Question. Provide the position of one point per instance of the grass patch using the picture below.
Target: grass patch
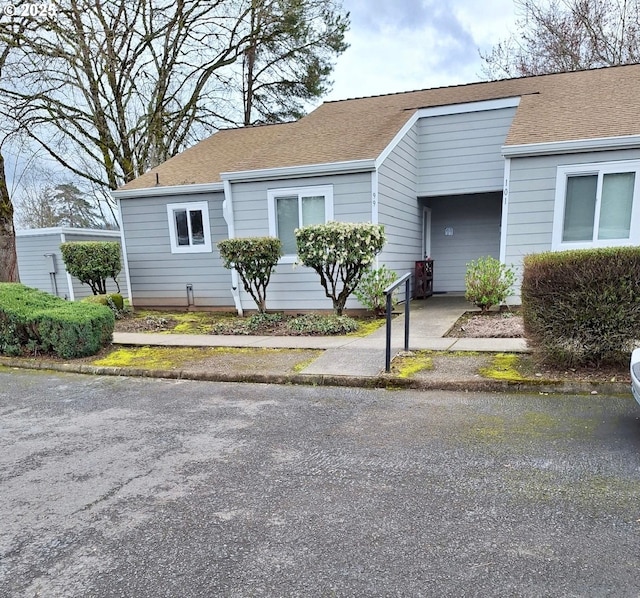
(228, 360)
(406, 366)
(159, 358)
(367, 327)
(503, 367)
(301, 365)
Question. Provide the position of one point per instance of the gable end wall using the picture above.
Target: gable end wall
(461, 153)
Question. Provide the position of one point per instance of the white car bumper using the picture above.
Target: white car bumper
(635, 374)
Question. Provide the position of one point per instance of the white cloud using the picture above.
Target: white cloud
(416, 44)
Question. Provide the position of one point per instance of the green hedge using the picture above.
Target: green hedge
(36, 321)
(583, 306)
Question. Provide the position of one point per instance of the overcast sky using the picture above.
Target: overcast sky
(402, 45)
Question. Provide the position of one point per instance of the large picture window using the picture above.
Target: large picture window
(293, 208)
(189, 227)
(596, 205)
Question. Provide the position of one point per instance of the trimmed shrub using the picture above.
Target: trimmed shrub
(488, 282)
(254, 259)
(340, 252)
(370, 289)
(113, 301)
(92, 262)
(33, 320)
(583, 306)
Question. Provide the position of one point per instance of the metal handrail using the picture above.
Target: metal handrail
(388, 293)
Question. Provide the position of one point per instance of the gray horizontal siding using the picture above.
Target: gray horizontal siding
(532, 190)
(398, 208)
(461, 153)
(298, 288)
(34, 267)
(475, 220)
(159, 277)
(83, 290)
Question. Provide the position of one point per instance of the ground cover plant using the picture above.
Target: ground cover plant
(261, 324)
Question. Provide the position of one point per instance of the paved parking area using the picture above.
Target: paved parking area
(131, 487)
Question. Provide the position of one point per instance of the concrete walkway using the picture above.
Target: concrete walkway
(430, 320)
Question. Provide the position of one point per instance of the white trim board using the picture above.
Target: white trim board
(40, 232)
(572, 146)
(170, 190)
(305, 170)
(505, 211)
(125, 257)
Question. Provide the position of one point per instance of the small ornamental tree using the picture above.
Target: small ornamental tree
(92, 262)
(340, 252)
(254, 259)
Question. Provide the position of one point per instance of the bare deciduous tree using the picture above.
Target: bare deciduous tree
(567, 35)
(111, 88)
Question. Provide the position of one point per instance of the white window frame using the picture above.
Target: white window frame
(189, 206)
(320, 190)
(599, 169)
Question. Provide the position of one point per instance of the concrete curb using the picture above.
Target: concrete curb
(383, 381)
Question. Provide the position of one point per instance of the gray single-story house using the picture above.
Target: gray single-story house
(40, 263)
(502, 168)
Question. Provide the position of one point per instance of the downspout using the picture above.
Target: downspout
(72, 296)
(227, 212)
(123, 245)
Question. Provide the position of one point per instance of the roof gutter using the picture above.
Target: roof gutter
(306, 170)
(57, 230)
(598, 144)
(169, 190)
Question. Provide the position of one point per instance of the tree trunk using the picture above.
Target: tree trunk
(8, 258)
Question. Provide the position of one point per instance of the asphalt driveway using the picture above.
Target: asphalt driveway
(152, 488)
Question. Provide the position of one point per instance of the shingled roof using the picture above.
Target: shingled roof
(561, 107)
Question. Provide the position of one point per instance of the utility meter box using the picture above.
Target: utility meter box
(50, 261)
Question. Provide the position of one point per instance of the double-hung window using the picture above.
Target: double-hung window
(189, 227)
(296, 207)
(597, 205)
